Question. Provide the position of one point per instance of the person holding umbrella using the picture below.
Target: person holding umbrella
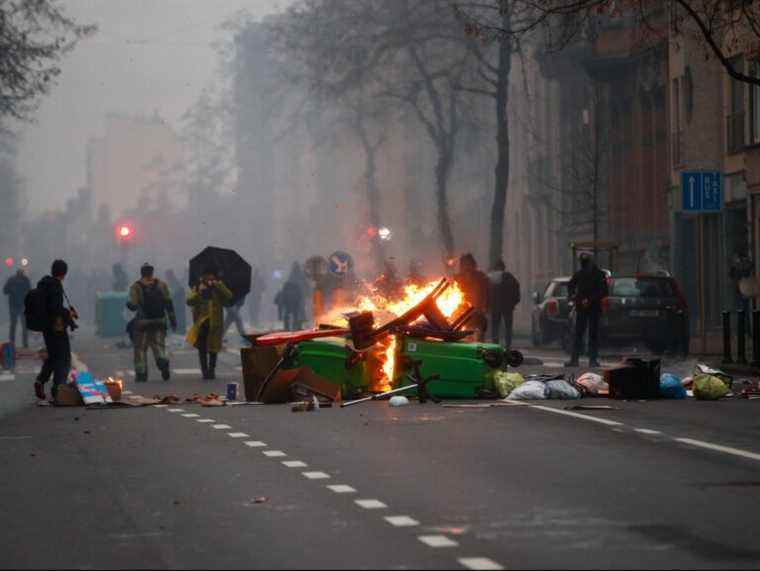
(207, 299)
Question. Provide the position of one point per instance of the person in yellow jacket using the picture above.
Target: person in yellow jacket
(207, 300)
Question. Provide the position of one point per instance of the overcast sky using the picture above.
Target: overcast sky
(149, 55)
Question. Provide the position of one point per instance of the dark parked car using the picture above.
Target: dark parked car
(644, 308)
(550, 313)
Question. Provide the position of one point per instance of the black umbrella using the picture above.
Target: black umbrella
(233, 270)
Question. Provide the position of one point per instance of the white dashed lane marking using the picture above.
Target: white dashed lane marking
(255, 444)
(648, 431)
(176, 410)
(718, 448)
(160, 405)
(221, 426)
(342, 489)
(238, 435)
(205, 420)
(371, 504)
(274, 454)
(479, 564)
(580, 416)
(316, 475)
(437, 541)
(401, 521)
(191, 415)
(294, 464)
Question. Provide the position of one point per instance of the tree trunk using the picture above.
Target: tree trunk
(373, 195)
(443, 167)
(501, 178)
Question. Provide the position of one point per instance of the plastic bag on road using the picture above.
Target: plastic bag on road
(709, 387)
(561, 390)
(592, 383)
(671, 387)
(505, 382)
(702, 369)
(529, 390)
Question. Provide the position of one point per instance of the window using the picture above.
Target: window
(754, 105)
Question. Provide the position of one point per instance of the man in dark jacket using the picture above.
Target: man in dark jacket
(59, 320)
(587, 288)
(503, 297)
(16, 289)
(474, 284)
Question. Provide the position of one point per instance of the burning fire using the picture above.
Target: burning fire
(448, 303)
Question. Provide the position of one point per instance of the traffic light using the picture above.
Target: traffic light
(9, 262)
(124, 232)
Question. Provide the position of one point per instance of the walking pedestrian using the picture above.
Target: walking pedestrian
(290, 300)
(587, 288)
(504, 295)
(151, 301)
(233, 316)
(208, 299)
(474, 285)
(416, 274)
(58, 320)
(16, 289)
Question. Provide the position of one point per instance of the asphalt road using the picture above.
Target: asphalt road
(659, 484)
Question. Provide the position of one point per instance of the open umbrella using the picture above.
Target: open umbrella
(233, 270)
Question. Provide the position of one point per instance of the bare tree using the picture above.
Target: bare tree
(722, 28)
(34, 35)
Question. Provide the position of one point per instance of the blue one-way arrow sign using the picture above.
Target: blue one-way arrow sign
(701, 191)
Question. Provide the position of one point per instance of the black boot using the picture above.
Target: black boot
(212, 366)
(163, 365)
(203, 358)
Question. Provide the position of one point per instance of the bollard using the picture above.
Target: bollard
(727, 338)
(756, 338)
(741, 337)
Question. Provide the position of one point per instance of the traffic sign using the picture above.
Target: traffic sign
(702, 191)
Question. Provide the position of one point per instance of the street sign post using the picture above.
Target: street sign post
(702, 191)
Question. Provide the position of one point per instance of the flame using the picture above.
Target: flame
(388, 309)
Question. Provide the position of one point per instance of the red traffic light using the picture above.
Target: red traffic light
(9, 262)
(124, 232)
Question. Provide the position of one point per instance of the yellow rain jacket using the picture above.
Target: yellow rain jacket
(209, 310)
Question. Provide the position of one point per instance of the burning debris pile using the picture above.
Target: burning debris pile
(379, 345)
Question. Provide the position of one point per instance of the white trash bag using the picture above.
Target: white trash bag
(529, 390)
(562, 390)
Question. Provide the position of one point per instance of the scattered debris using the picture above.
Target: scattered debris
(398, 400)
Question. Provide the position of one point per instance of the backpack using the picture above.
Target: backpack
(35, 310)
(153, 302)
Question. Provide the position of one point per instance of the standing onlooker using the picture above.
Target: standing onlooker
(58, 319)
(290, 300)
(233, 316)
(208, 299)
(587, 288)
(503, 297)
(474, 284)
(149, 297)
(16, 289)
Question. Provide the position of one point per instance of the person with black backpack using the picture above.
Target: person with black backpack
(149, 297)
(45, 311)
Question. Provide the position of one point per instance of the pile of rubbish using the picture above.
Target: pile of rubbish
(83, 389)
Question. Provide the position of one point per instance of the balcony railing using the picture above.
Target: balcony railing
(735, 138)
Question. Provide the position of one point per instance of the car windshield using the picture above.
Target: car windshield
(642, 287)
(560, 290)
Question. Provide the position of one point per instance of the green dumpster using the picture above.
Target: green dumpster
(464, 368)
(327, 358)
(110, 313)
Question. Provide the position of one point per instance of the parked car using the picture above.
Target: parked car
(644, 308)
(550, 313)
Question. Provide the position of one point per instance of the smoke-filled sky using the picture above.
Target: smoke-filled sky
(149, 55)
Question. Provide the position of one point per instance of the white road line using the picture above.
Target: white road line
(221, 426)
(238, 435)
(580, 416)
(315, 475)
(342, 489)
(401, 521)
(186, 371)
(370, 504)
(437, 541)
(294, 464)
(7, 377)
(205, 420)
(479, 564)
(160, 405)
(176, 410)
(274, 453)
(647, 431)
(190, 415)
(255, 444)
(719, 448)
